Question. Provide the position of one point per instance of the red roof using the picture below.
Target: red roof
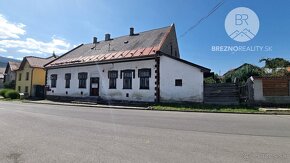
(144, 44)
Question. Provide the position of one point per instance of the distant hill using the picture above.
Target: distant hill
(4, 61)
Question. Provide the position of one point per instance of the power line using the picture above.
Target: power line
(203, 18)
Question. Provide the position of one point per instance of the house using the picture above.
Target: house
(143, 66)
(10, 72)
(30, 77)
(2, 71)
(270, 90)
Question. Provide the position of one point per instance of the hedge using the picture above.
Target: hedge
(12, 94)
(3, 92)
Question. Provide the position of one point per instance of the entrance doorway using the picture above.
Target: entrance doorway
(94, 86)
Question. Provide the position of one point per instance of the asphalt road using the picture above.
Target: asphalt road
(35, 133)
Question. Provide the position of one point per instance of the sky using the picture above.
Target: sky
(39, 28)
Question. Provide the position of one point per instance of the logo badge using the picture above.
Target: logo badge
(242, 24)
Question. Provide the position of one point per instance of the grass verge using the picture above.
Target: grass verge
(206, 108)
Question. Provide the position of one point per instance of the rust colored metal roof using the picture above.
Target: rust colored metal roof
(139, 45)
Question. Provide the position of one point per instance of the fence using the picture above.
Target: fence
(222, 93)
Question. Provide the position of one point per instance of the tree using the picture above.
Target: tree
(242, 73)
(274, 63)
(276, 66)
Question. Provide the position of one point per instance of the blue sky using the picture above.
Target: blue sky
(33, 27)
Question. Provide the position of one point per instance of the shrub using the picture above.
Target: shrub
(3, 91)
(12, 94)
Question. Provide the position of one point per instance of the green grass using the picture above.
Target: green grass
(9, 99)
(206, 108)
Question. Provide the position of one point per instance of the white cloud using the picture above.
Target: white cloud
(10, 30)
(32, 46)
(3, 50)
(10, 39)
(10, 57)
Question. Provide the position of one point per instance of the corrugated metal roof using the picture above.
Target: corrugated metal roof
(139, 45)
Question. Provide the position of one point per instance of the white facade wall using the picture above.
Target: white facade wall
(192, 81)
(258, 90)
(101, 71)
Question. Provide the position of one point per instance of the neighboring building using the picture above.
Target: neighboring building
(30, 77)
(2, 71)
(142, 66)
(10, 72)
(273, 90)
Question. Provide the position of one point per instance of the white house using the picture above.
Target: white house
(143, 67)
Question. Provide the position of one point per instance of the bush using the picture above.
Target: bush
(12, 94)
(3, 91)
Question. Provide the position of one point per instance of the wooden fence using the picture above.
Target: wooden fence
(223, 93)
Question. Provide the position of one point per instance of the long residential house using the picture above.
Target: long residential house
(143, 66)
(30, 77)
(10, 72)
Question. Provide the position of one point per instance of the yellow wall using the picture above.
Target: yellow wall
(23, 82)
(36, 77)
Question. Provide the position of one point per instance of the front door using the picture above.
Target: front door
(94, 86)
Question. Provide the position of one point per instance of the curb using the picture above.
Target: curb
(151, 109)
(93, 106)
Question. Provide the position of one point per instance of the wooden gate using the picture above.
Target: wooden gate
(222, 93)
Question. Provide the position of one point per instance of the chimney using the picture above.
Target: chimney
(107, 37)
(95, 40)
(131, 31)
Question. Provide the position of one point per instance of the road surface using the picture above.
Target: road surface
(36, 133)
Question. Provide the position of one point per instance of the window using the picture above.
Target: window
(127, 78)
(113, 75)
(144, 75)
(53, 78)
(67, 80)
(26, 89)
(178, 82)
(27, 75)
(19, 77)
(83, 79)
(19, 89)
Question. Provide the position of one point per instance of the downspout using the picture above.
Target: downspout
(157, 77)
